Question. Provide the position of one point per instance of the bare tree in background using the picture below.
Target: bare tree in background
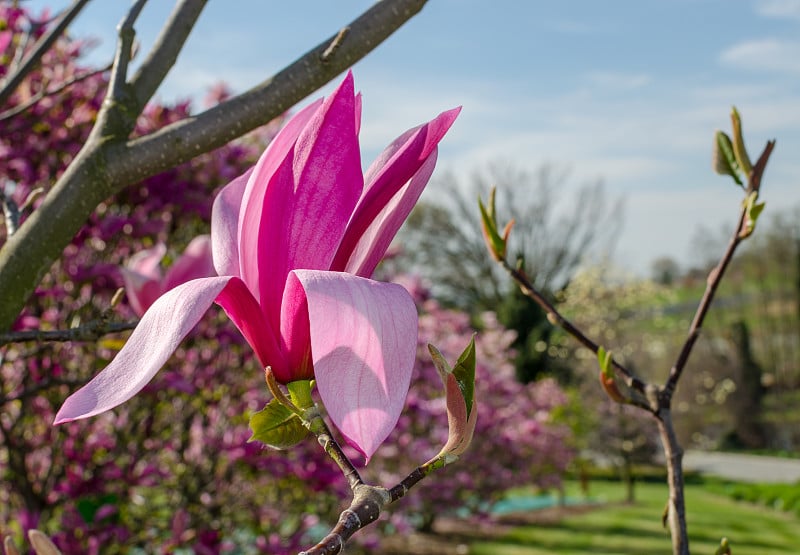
(556, 229)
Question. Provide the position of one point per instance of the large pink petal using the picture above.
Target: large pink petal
(310, 198)
(240, 305)
(225, 226)
(195, 262)
(363, 343)
(151, 344)
(407, 157)
(250, 220)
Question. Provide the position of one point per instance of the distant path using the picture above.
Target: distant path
(745, 468)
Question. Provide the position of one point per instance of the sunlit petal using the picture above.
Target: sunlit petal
(363, 344)
(150, 345)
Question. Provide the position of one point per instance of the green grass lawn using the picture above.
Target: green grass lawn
(620, 529)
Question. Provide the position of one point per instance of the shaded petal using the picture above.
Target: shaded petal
(195, 262)
(225, 226)
(374, 222)
(249, 222)
(240, 305)
(151, 344)
(363, 343)
(310, 199)
(295, 332)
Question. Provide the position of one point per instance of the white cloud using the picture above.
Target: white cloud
(764, 55)
(784, 9)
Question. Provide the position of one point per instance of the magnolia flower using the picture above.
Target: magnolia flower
(295, 240)
(144, 281)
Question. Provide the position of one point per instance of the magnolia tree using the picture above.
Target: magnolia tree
(129, 475)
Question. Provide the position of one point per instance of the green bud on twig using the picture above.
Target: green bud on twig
(723, 159)
(495, 242)
(738, 144)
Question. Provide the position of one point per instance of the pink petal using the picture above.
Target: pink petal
(142, 278)
(375, 240)
(151, 344)
(295, 332)
(363, 342)
(240, 305)
(252, 202)
(146, 262)
(225, 226)
(195, 262)
(309, 199)
(374, 222)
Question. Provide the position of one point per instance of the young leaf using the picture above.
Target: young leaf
(753, 210)
(277, 426)
(607, 379)
(724, 547)
(459, 384)
(738, 143)
(494, 241)
(723, 159)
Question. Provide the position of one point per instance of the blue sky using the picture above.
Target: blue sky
(625, 91)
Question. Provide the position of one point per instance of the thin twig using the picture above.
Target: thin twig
(715, 278)
(11, 82)
(19, 108)
(367, 504)
(126, 35)
(556, 319)
(91, 331)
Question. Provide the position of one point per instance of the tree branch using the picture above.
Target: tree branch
(11, 82)
(368, 500)
(165, 51)
(91, 331)
(107, 163)
(556, 319)
(715, 277)
(32, 101)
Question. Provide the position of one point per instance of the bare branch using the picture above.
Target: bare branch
(107, 164)
(91, 331)
(117, 116)
(165, 51)
(11, 82)
(18, 109)
(715, 277)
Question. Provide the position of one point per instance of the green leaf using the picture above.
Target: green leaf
(724, 159)
(277, 426)
(459, 385)
(738, 144)
(494, 241)
(753, 210)
(464, 372)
